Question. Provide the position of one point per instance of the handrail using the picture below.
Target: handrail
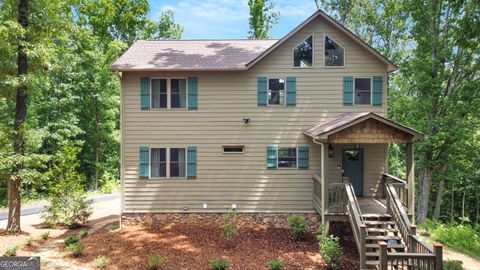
(395, 207)
(411, 260)
(400, 185)
(357, 222)
(394, 178)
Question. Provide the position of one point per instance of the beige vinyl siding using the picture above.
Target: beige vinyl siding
(224, 98)
(374, 162)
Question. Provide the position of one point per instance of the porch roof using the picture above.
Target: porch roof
(371, 128)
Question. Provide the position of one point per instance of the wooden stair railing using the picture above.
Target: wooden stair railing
(419, 255)
(357, 223)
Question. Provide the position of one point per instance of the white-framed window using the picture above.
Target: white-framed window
(276, 91)
(169, 93)
(334, 55)
(362, 91)
(303, 53)
(168, 162)
(287, 157)
(233, 149)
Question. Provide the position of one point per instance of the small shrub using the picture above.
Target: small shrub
(112, 227)
(330, 249)
(29, 241)
(83, 233)
(101, 262)
(452, 265)
(276, 264)
(71, 240)
(220, 264)
(229, 227)
(298, 226)
(11, 251)
(156, 261)
(45, 235)
(76, 249)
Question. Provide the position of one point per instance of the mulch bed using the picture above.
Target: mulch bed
(191, 246)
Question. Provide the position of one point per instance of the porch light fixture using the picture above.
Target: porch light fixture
(246, 120)
(330, 151)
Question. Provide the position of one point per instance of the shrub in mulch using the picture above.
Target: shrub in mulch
(191, 246)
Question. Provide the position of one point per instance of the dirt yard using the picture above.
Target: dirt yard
(190, 247)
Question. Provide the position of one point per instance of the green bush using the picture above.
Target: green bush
(460, 236)
(68, 204)
(330, 249)
(220, 264)
(83, 233)
(156, 261)
(45, 235)
(452, 265)
(276, 264)
(298, 226)
(101, 262)
(76, 249)
(229, 227)
(11, 251)
(29, 241)
(71, 240)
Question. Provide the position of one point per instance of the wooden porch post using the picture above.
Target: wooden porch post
(411, 180)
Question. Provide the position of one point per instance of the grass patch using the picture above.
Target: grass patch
(45, 235)
(462, 237)
(11, 251)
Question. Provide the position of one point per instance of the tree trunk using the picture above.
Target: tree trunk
(424, 186)
(476, 207)
(13, 224)
(453, 203)
(463, 203)
(438, 199)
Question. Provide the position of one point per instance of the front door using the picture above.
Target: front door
(352, 163)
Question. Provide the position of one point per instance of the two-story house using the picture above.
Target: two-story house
(269, 127)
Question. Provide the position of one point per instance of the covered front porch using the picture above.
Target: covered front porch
(353, 150)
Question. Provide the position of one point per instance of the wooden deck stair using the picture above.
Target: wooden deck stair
(380, 227)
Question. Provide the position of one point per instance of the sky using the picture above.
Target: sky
(228, 18)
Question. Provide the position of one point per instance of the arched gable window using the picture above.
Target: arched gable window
(334, 53)
(303, 53)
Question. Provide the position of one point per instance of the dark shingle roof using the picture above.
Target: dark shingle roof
(191, 54)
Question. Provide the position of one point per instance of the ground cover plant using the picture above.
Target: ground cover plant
(457, 235)
(156, 261)
(298, 226)
(11, 251)
(101, 262)
(330, 249)
(219, 264)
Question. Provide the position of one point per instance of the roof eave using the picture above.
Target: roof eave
(113, 69)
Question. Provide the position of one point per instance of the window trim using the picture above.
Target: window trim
(233, 145)
(167, 156)
(313, 52)
(296, 156)
(169, 93)
(344, 52)
(284, 90)
(371, 91)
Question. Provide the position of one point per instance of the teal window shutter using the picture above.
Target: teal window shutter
(262, 91)
(192, 93)
(377, 90)
(271, 157)
(191, 162)
(144, 162)
(145, 93)
(291, 91)
(303, 157)
(347, 90)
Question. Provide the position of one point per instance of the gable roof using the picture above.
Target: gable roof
(323, 130)
(391, 66)
(235, 54)
(148, 55)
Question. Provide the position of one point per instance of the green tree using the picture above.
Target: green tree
(167, 27)
(262, 18)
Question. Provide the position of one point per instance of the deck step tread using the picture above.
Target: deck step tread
(381, 230)
(378, 222)
(395, 246)
(383, 237)
(372, 262)
(376, 215)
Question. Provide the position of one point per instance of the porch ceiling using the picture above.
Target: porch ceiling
(363, 127)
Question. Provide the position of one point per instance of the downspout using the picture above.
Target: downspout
(322, 168)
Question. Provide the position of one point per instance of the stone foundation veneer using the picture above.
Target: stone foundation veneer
(275, 220)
